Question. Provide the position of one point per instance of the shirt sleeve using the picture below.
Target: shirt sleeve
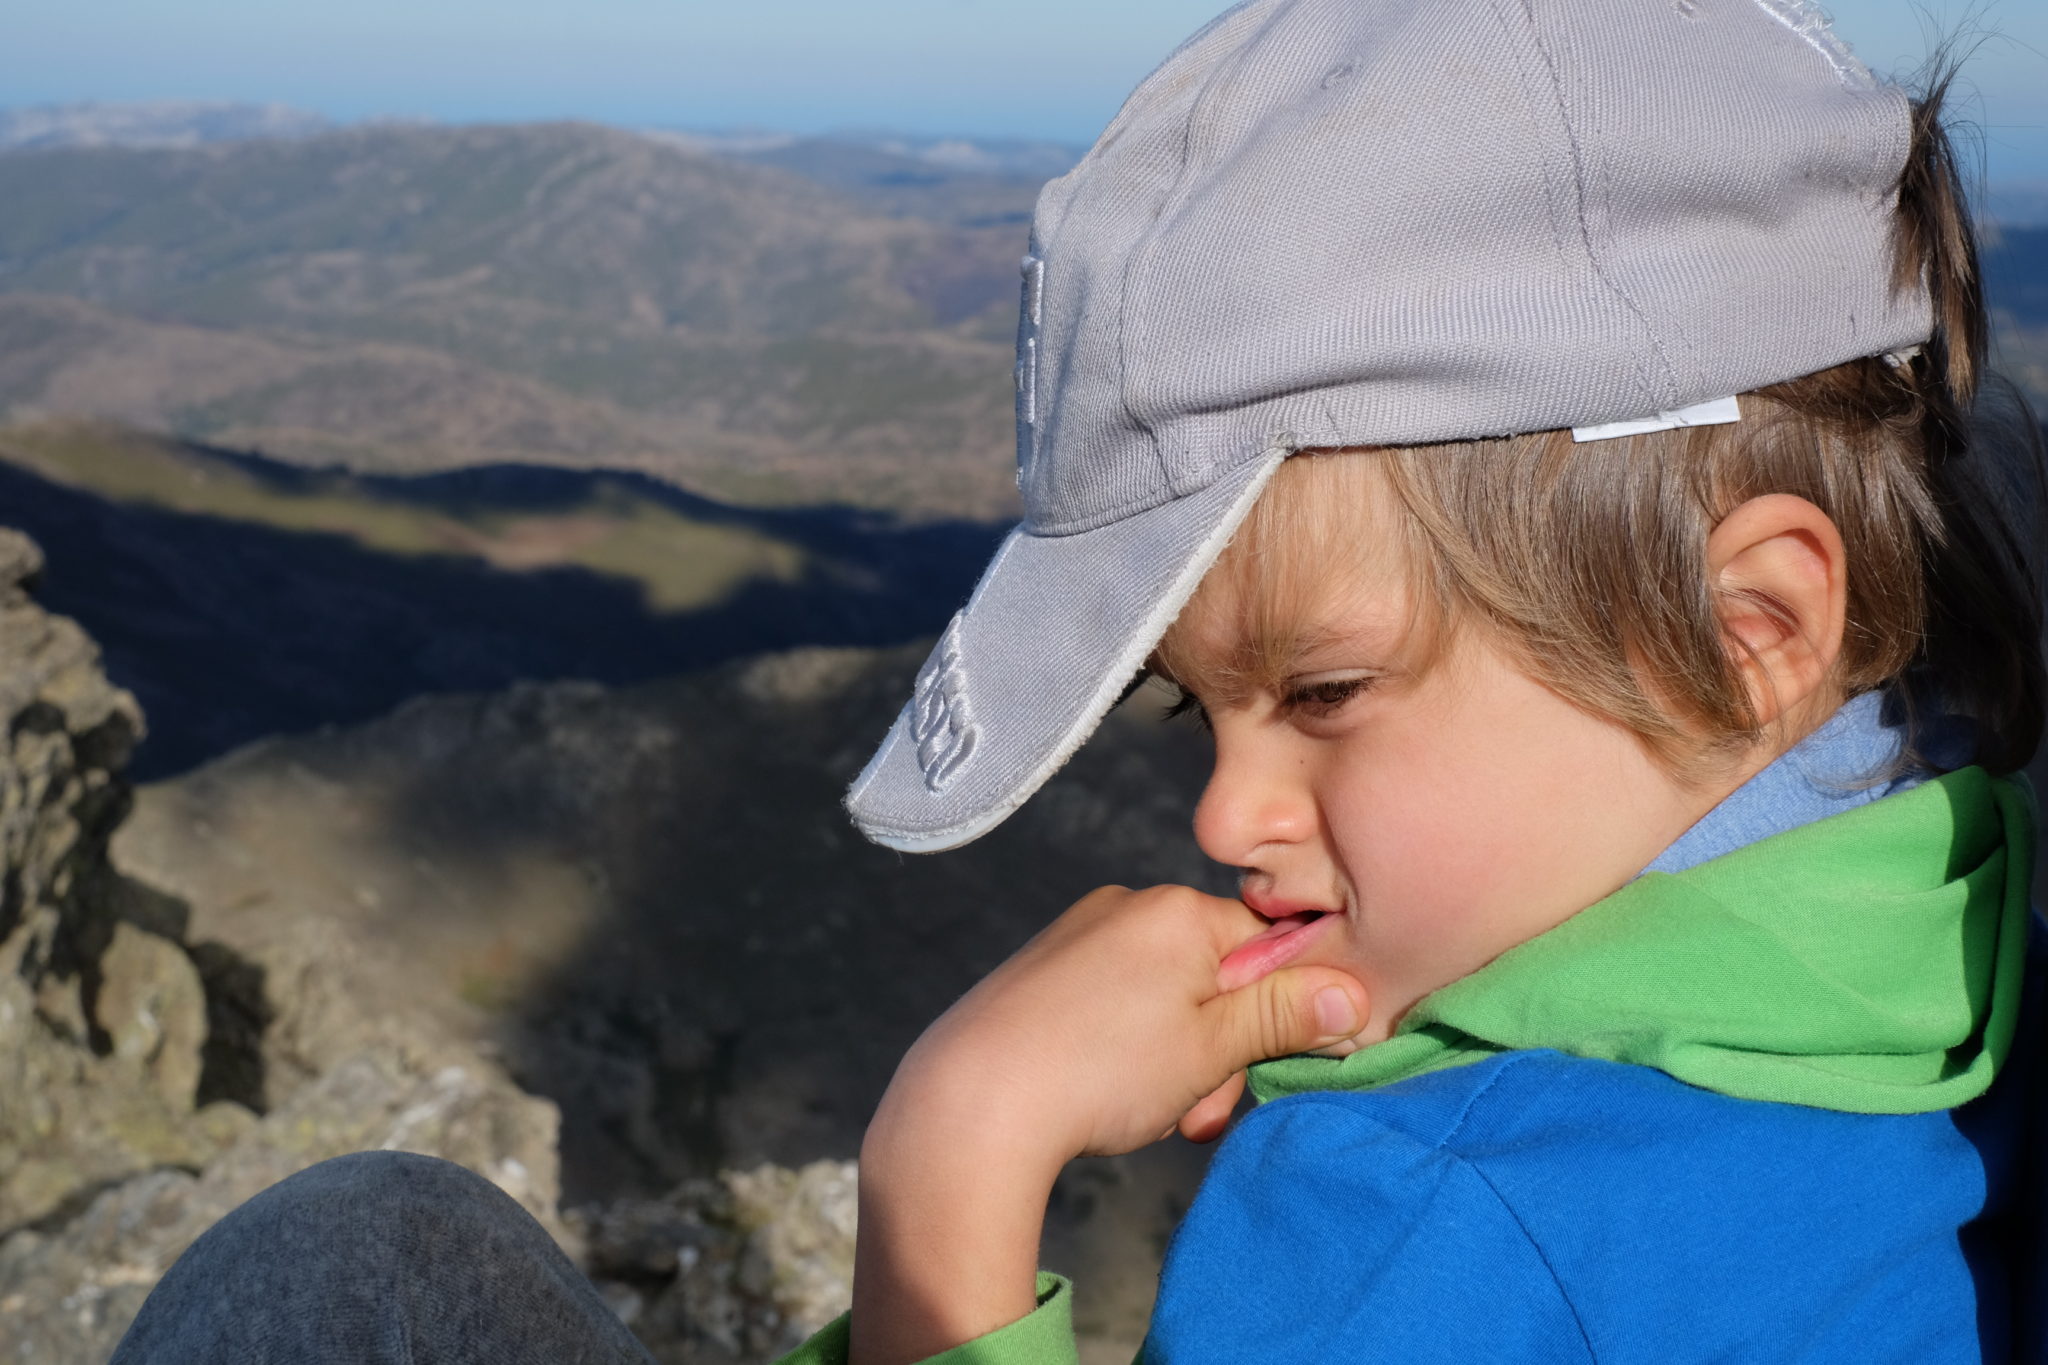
(1045, 1336)
(1323, 1234)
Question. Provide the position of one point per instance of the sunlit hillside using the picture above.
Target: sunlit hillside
(424, 297)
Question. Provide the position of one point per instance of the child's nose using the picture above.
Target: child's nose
(1256, 798)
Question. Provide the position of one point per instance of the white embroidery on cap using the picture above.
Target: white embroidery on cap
(1034, 289)
(1712, 413)
(941, 721)
(1027, 382)
(1030, 313)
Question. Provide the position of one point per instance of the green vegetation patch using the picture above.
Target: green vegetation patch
(679, 563)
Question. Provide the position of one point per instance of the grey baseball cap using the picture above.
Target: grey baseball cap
(1384, 222)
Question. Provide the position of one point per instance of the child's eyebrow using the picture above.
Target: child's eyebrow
(1352, 652)
(1263, 661)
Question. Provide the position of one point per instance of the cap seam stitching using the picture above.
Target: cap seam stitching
(1668, 333)
(1146, 501)
(1576, 153)
(1114, 130)
(1142, 257)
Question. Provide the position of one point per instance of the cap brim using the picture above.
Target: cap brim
(1057, 628)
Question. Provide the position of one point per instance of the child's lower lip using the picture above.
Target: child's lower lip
(1271, 949)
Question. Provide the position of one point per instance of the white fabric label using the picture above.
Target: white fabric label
(1712, 413)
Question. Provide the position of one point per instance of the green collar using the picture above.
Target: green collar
(1870, 962)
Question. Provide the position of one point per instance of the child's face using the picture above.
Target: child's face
(1436, 815)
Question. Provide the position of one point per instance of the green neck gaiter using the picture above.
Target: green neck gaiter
(1869, 962)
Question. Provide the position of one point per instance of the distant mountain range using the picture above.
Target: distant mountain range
(416, 297)
(1029, 159)
(191, 123)
(157, 123)
(757, 316)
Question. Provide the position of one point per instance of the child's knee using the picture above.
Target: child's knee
(386, 1202)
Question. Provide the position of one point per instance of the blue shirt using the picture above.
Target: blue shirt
(1542, 1207)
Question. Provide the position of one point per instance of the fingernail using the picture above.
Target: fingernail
(1336, 1016)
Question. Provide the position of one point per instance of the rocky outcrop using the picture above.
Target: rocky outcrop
(135, 1106)
(68, 731)
(618, 942)
(742, 1267)
(102, 1019)
(69, 1290)
(648, 902)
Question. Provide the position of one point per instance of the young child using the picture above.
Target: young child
(1531, 433)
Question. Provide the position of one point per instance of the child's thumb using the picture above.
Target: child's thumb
(1296, 1010)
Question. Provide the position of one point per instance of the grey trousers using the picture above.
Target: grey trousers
(380, 1258)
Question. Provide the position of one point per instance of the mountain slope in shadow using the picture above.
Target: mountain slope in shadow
(240, 598)
(649, 903)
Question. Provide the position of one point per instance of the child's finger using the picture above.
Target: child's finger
(1211, 1114)
(1297, 1009)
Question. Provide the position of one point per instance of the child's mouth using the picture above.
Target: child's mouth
(1272, 948)
(1285, 925)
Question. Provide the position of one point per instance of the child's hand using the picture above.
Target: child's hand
(1112, 1024)
(1102, 1034)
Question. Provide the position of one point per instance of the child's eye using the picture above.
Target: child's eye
(1187, 705)
(1320, 697)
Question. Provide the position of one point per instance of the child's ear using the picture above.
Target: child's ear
(1780, 580)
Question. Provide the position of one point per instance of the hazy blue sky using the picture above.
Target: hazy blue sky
(1049, 68)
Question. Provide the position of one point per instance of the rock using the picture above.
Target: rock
(739, 1268)
(67, 1294)
(74, 1122)
(67, 732)
(101, 1021)
(21, 559)
(801, 676)
(152, 1007)
(650, 1241)
(647, 900)
(66, 1298)
(801, 1223)
(110, 1165)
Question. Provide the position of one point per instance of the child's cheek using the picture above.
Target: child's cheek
(1427, 883)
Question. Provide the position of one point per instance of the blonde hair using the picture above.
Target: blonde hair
(1588, 561)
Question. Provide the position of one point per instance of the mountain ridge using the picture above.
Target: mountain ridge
(782, 321)
(709, 315)
(150, 123)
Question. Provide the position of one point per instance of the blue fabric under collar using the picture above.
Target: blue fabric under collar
(1850, 761)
